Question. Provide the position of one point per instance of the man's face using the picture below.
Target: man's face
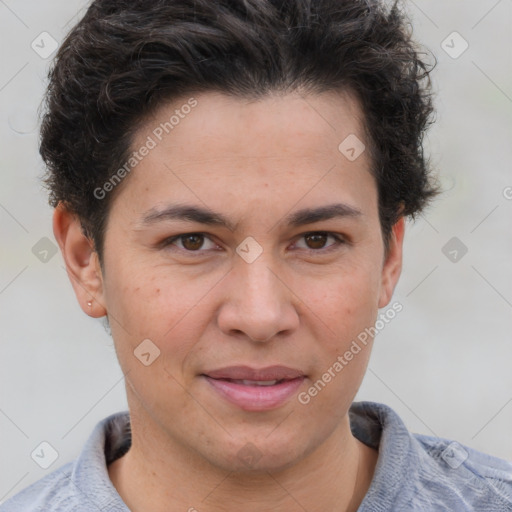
(268, 290)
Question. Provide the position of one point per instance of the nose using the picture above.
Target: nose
(257, 304)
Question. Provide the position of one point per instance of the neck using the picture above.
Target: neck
(158, 475)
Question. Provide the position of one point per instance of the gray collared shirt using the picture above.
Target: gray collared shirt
(414, 472)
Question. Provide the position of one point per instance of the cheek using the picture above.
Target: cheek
(345, 302)
(149, 302)
(161, 305)
(343, 317)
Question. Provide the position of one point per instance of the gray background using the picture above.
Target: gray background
(444, 363)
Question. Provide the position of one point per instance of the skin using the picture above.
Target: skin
(299, 304)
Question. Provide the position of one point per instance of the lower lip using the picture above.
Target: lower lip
(256, 398)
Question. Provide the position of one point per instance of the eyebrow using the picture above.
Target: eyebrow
(205, 216)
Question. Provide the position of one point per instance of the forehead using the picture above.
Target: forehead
(267, 127)
(217, 148)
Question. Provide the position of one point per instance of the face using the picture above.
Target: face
(246, 249)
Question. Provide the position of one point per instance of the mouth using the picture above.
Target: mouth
(246, 382)
(253, 389)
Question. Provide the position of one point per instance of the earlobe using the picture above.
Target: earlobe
(82, 263)
(393, 263)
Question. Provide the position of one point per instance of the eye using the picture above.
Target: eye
(317, 240)
(190, 242)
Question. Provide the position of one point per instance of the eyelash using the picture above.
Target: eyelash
(339, 240)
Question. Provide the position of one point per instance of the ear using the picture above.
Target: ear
(82, 263)
(392, 264)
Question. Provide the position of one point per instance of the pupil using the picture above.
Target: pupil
(196, 242)
(316, 241)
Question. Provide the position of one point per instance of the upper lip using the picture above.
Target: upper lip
(247, 373)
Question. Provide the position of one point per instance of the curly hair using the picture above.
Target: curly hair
(125, 58)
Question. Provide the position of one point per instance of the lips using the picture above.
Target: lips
(269, 373)
(247, 382)
(254, 389)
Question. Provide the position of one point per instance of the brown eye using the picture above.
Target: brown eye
(192, 242)
(316, 240)
(187, 243)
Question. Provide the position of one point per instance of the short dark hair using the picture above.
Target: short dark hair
(125, 58)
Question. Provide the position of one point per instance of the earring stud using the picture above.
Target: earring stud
(89, 304)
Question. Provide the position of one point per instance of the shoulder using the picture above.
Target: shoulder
(416, 472)
(83, 484)
(462, 476)
(60, 491)
(51, 493)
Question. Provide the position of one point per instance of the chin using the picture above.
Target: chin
(260, 454)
